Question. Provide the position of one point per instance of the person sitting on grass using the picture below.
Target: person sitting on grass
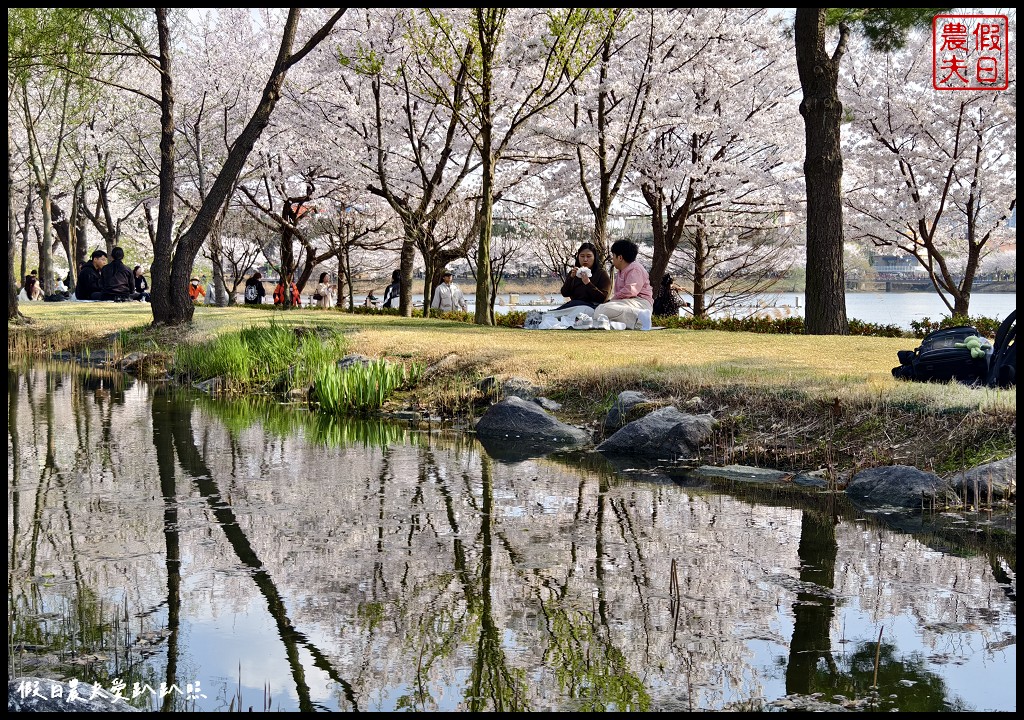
(586, 284)
(632, 298)
(141, 286)
(118, 280)
(669, 302)
(30, 290)
(90, 279)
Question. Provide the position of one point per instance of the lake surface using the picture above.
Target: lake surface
(882, 308)
(236, 549)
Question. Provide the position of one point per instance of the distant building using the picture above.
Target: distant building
(894, 265)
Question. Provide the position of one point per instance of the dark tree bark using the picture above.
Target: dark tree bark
(825, 312)
(170, 302)
(12, 288)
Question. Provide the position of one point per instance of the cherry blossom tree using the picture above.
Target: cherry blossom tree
(174, 258)
(719, 145)
(49, 52)
(49, 108)
(357, 236)
(412, 153)
(602, 117)
(935, 169)
(241, 246)
(516, 63)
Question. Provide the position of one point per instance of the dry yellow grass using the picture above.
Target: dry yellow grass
(825, 365)
(814, 399)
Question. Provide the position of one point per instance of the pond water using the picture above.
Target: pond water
(242, 550)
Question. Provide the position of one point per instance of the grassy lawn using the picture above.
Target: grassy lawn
(777, 392)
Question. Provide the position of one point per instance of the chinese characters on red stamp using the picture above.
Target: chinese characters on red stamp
(970, 52)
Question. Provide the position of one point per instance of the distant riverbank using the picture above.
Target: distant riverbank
(549, 285)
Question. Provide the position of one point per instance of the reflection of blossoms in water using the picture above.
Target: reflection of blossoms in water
(380, 582)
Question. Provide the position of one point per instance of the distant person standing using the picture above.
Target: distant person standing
(90, 279)
(118, 280)
(196, 292)
(324, 292)
(447, 296)
(254, 290)
(393, 291)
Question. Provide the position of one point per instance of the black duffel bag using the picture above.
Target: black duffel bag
(939, 359)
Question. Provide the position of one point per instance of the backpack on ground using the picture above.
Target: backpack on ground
(945, 355)
(1002, 369)
(252, 295)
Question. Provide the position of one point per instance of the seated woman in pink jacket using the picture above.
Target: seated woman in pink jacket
(632, 296)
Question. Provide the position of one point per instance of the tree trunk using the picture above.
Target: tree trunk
(45, 250)
(487, 32)
(287, 265)
(430, 281)
(80, 238)
(699, 273)
(171, 304)
(406, 262)
(343, 283)
(219, 290)
(24, 235)
(483, 314)
(825, 310)
(12, 289)
(168, 307)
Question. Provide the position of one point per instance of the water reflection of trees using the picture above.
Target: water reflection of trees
(174, 415)
(409, 571)
(60, 622)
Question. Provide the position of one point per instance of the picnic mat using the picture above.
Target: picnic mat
(653, 327)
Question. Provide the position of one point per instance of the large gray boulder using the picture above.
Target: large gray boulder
(514, 418)
(33, 694)
(513, 386)
(664, 433)
(994, 481)
(900, 486)
(618, 415)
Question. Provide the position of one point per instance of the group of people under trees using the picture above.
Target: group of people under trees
(588, 288)
(625, 303)
(99, 279)
(323, 293)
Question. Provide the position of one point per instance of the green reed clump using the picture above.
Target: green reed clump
(316, 353)
(226, 357)
(359, 387)
(261, 357)
(272, 347)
